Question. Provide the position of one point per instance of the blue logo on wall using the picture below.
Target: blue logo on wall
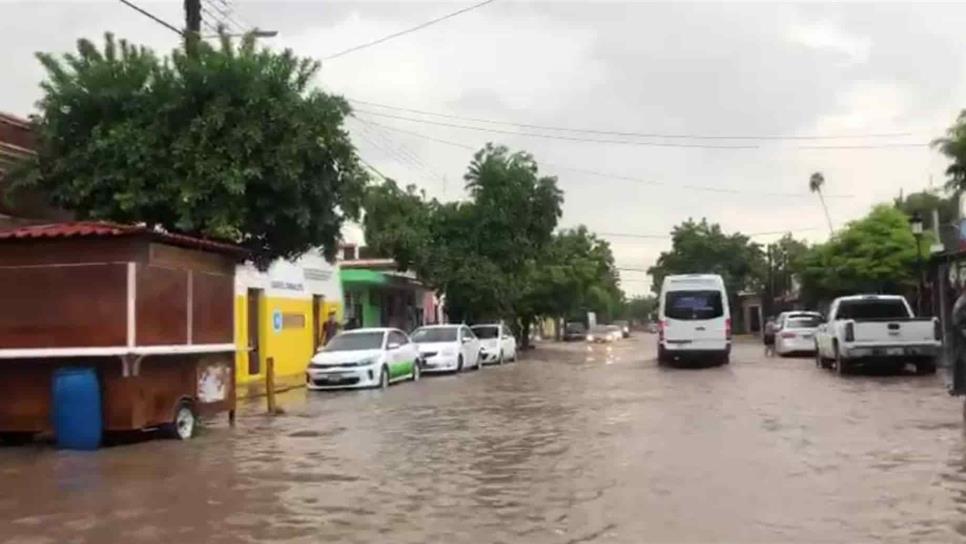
(277, 321)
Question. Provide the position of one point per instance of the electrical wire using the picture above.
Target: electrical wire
(153, 17)
(707, 188)
(406, 31)
(559, 136)
(225, 11)
(631, 134)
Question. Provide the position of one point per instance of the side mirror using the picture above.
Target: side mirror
(466, 339)
(393, 345)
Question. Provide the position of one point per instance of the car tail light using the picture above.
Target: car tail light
(661, 327)
(728, 329)
(850, 332)
(787, 335)
(937, 330)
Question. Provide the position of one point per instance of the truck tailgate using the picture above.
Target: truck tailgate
(912, 331)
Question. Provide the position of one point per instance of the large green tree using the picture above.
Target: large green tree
(229, 142)
(875, 254)
(699, 247)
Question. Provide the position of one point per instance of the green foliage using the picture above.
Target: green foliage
(953, 145)
(875, 254)
(925, 202)
(640, 308)
(496, 255)
(702, 248)
(229, 142)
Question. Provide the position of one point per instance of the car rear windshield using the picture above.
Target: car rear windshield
(485, 332)
(872, 309)
(442, 334)
(803, 322)
(576, 327)
(691, 305)
(355, 341)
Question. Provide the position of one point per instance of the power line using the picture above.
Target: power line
(225, 10)
(692, 187)
(407, 31)
(559, 136)
(632, 134)
(153, 17)
(668, 236)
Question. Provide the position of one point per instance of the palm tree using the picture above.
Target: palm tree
(815, 184)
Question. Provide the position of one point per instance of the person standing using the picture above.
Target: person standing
(330, 328)
(768, 337)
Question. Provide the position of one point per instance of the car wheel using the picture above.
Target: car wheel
(384, 378)
(662, 357)
(819, 362)
(416, 370)
(459, 364)
(926, 367)
(841, 365)
(182, 426)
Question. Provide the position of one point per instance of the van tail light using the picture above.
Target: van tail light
(937, 329)
(661, 326)
(728, 329)
(850, 332)
(787, 335)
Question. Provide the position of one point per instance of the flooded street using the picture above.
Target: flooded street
(574, 444)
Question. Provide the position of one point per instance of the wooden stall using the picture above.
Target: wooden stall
(152, 312)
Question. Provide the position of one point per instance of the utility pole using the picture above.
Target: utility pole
(192, 25)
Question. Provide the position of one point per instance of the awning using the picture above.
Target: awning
(363, 276)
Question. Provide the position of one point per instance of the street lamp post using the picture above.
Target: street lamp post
(915, 224)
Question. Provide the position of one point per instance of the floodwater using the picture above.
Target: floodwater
(573, 445)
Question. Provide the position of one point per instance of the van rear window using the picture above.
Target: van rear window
(691, 305)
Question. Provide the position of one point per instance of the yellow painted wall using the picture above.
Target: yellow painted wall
(290, 347)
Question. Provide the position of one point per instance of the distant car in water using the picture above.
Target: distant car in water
(497, 343)
(363, 358)
(625, 327)
(795, 332)
(574, 330)
(447, 348)
(604, 334)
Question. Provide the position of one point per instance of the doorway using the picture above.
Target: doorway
(317, 317)
(254, 339)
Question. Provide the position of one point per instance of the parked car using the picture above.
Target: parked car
(575, 330)
(447, 348)
(694, 318)
(877, 330)
(795, 332)
(604, 334)
(496, 342)
(653, 328)
(363, 358)
(625, 327)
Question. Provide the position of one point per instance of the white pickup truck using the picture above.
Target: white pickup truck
(877, 330)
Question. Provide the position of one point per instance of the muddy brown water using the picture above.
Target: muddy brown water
(574, 445)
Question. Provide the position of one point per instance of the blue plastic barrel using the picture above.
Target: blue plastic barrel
(76, 408)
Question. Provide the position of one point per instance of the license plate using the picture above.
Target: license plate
(894, 351)
(335, 377)
(807, 336)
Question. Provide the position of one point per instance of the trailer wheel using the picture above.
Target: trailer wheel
(182, 427)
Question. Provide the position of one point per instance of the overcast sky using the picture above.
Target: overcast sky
(716, 69)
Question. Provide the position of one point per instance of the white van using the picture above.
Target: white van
(694, 319)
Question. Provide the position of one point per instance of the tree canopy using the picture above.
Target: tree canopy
(495, 255)
(874, 254)
(228, 142)
(699, 247)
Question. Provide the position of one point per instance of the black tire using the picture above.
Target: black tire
(416, 370)
(459, 363)
(183, 423)
(384, 378)
(841, 364)
(16, 438)
(725, 358)
(926, 367)
(662, 357)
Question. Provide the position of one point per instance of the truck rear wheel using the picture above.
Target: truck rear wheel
(841, 363)
(926, 367)
(662, 356)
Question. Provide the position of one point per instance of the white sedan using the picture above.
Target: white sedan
(447, 348)
(795, 332)
(497, 342)
(364, 358)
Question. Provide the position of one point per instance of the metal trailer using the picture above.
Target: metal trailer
(151, 312)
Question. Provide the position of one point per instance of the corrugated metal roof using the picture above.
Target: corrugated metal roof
(93, 229)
